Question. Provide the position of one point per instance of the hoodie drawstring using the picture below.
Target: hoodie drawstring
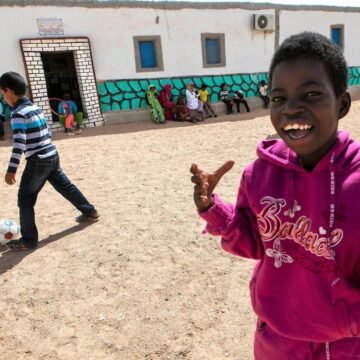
(332, 207)
(331, 226)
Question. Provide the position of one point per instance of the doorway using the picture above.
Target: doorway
(61, 78)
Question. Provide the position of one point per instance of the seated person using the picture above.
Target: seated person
(193, 103)
(68, 109)
(166, 100)
(204, 98)
(263, 93)
(156, 110)
(239, 99)
(181, 111)
(225, 98)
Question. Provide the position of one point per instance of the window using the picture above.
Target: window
(337, 35)
(213, 50)
(148, 53)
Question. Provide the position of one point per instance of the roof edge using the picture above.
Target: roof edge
(178, 5)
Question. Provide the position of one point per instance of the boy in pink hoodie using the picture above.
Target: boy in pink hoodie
(297, 211)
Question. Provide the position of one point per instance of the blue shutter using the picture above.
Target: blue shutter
(336, 35)
(147, 54)
(212, 51)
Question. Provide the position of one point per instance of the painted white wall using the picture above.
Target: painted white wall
(292, 22)
(111, 34)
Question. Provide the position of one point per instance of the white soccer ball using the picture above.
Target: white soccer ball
(8, 230)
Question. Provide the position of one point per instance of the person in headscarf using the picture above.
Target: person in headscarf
(156, 110)
(181, 111)
(166, 100)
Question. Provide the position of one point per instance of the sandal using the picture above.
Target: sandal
(18, 245)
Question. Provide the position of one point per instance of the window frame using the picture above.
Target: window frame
(158, 51)
(342, 35)
(212, 36)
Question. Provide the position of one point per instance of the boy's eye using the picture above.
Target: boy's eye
(277, 99)
(312, 94)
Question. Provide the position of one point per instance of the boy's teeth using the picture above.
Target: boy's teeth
(296, 127)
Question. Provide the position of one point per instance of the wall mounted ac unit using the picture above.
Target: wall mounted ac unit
(263, 22)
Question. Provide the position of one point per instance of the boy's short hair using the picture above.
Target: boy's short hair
(203, 86)
(13, 81)
(310, 45)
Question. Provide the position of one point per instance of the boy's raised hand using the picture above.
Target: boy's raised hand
(205, 184)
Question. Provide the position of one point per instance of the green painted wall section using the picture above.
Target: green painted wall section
(116, 95)
(354, 76)
(6, 108)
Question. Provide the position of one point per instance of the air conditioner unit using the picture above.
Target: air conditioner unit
(264, 22)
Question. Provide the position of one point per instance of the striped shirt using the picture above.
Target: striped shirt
(31, 134)
(224, 95)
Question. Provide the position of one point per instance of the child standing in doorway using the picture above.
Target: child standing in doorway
(32, 137)
(297, 211)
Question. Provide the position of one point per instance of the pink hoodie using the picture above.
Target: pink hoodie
(303, 229)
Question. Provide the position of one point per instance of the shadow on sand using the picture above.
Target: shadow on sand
(10, 258)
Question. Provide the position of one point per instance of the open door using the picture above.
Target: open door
(61, 78)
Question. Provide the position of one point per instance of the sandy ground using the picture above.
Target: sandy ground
(143, 282)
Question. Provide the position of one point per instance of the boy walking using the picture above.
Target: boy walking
(32, 137)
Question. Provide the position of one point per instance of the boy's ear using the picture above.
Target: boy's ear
(344, 104)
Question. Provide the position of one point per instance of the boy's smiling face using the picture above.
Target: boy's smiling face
(304, 108)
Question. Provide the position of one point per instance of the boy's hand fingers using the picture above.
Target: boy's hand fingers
(222, 170)
(194, 169)
(199, 178)
(201, 189)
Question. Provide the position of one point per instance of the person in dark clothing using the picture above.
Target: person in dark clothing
(239, 99)
(225, 98)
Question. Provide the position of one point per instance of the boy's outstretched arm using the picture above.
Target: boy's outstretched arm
(236, 225)
(205, 184)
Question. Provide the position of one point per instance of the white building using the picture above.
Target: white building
(105, 53)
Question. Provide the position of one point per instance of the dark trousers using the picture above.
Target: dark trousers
(37, 172)
(208, 110)
(228, 104)
(265, 100)
(241, 101)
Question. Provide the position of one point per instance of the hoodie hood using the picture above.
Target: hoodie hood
(345, 152)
